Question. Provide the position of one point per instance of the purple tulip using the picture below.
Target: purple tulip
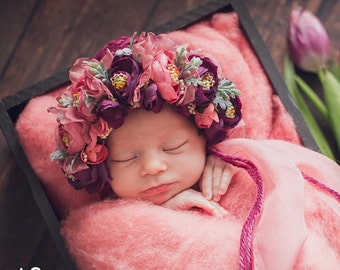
(307, 39)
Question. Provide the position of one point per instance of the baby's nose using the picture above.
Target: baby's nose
(153, 164)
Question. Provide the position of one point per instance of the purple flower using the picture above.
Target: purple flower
(216, 133)
(207, 91)
(232, 115)
(112, 112)
(307, 39)
(92, 179)
(229, 118)
(124, 78)
(151, 101)
(113, 46)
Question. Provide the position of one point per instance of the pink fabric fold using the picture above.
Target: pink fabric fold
(280, 164)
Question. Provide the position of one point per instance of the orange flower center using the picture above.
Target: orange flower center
(207, 82)
(118, 81)
(76, 100)
(65, 139)
(173, 70)
(230, 112)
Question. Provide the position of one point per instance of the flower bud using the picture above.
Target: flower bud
(308, 42)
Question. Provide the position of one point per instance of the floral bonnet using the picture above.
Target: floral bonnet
(146, 72)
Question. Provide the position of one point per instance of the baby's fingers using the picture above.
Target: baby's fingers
(225, 179)
(206, 183)
(211, 207)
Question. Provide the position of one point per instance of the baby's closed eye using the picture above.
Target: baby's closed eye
(175, 147)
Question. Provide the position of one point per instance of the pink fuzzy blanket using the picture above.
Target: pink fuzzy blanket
(137, 235)
(297, 226)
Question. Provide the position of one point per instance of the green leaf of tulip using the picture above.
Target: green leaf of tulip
(313, 97)
(331, 88)
(289, 76)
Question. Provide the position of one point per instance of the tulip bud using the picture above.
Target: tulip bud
(308, 42)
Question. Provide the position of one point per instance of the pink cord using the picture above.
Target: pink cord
(323, 187)
(246, 240)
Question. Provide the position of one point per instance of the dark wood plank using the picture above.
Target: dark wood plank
(62, 31)
(14, 16)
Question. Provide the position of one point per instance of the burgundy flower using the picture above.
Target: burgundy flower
(229, 118)
(112, 112)
(113, 46)
(216, 133)
(92, 179)
(124, 78)
(232, 115)
(207, 91)
(151, 101)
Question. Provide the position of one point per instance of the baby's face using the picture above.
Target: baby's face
(154, 156)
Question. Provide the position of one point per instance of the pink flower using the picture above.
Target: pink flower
(101, 130)
(94, 155)
(156, 60)
(72, 137)
(308, 42)
(205, 119)
(82, 108)
(84, 80)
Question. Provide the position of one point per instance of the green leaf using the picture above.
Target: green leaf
(181, 53)
(289, 77)
(335, 69)
(313, 97)
(58, 154)
(228, 87)
(194, 63)
(98, 70)
(331, 88)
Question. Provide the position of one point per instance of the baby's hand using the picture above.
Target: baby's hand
(216, 178)
(190, 198)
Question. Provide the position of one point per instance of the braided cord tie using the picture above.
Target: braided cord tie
(246, 239)
(322, 186)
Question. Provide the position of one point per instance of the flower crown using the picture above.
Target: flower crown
(146, 72)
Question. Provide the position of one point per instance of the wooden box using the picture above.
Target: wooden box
(12, 106)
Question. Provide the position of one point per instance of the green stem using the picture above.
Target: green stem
(289, 77)
(331, 87)
(313, 97)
